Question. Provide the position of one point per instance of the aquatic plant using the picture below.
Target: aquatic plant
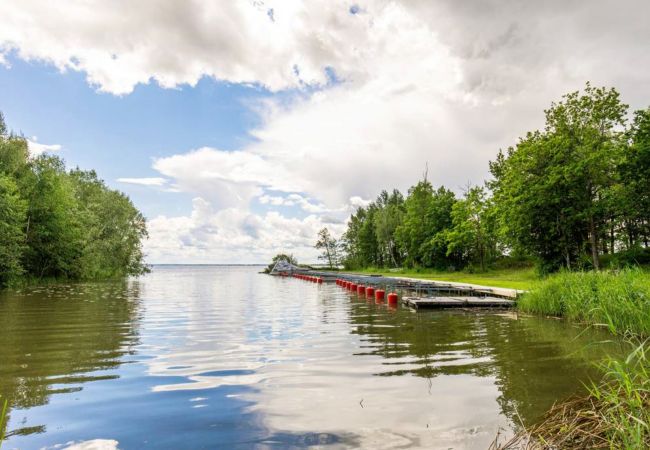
(619, 300)
(3, 420)
(615, 414)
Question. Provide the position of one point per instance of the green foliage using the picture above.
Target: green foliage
(623, 398)
(329, 248)
(473, 234)
(5, 403)
(59, 224)
(618, 300)
(555, 191)
(568, 196)
(12, 235)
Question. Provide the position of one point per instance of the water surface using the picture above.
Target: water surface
(192, 357)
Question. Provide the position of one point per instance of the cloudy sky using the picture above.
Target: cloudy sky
(241, 127)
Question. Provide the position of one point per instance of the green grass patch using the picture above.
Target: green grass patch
(513, 278)
(619, 300)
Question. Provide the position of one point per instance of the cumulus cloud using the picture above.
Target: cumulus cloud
(152, 181)
(232, 235)
(378, 92)
(36, 148)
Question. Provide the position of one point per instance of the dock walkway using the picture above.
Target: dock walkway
(457, 302)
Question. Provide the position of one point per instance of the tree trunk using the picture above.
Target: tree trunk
(593, 238)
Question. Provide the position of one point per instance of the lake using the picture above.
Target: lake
(193, 357)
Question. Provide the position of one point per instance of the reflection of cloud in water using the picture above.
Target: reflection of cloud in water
(315, 379)
(94, 444)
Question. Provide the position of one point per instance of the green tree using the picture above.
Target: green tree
(328, 247)
(551, 190)
(386, 220)
(12, 234)
(427, 214)
(635, 177)
(473, 233)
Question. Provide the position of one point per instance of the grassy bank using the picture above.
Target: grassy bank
(521, 278)
(619, 300)
(616, 412)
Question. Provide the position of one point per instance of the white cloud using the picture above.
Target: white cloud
(232, 235)
(153, 181)
(35, 148)
(442, 84)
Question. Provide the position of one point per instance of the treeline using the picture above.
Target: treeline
(563, 196)
(56, 223)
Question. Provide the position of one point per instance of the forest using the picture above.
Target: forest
(573, 195)
(62, 224)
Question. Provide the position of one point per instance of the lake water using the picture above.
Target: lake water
(192, 357)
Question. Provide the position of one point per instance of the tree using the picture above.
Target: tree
(551, 189)
(60, 224)
(427, 213)
(12, 234)
(473, 231)
(635, 176)
(329, 248)
(386, 220)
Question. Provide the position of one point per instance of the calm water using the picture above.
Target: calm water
(222, 357)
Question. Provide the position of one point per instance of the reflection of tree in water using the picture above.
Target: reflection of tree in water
(534, 361)
(62, 335)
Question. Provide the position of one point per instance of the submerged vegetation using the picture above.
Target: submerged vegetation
(62, 224)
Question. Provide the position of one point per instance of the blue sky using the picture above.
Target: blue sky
(240, 133)
(120, 135)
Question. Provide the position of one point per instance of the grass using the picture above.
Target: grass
(616, 412)
(519, 278)
(3, 420)
(619, 300)
(614, 415)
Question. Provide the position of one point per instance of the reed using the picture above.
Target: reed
(3, 420)
(614, 415)
(619, 300)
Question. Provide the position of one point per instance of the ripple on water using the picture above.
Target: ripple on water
(204, 357)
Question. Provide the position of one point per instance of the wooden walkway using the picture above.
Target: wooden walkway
(456, 302)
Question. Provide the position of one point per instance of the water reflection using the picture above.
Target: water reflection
(222, 357)
(55, 339)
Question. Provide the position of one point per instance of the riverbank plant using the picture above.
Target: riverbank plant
(614, 415)
(616, 412)
(3, 419)
(619, 300)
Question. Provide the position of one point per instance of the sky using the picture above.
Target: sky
(242, 127)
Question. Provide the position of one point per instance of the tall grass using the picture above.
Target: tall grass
(616, 412)
(619, 300)
(3, 420)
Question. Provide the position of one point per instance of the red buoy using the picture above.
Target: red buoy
(320, 281)
(379, 294)
(361, 290)
(370, 291)
(353, 287)
(392, 298)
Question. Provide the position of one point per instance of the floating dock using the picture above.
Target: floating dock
(457, 302)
